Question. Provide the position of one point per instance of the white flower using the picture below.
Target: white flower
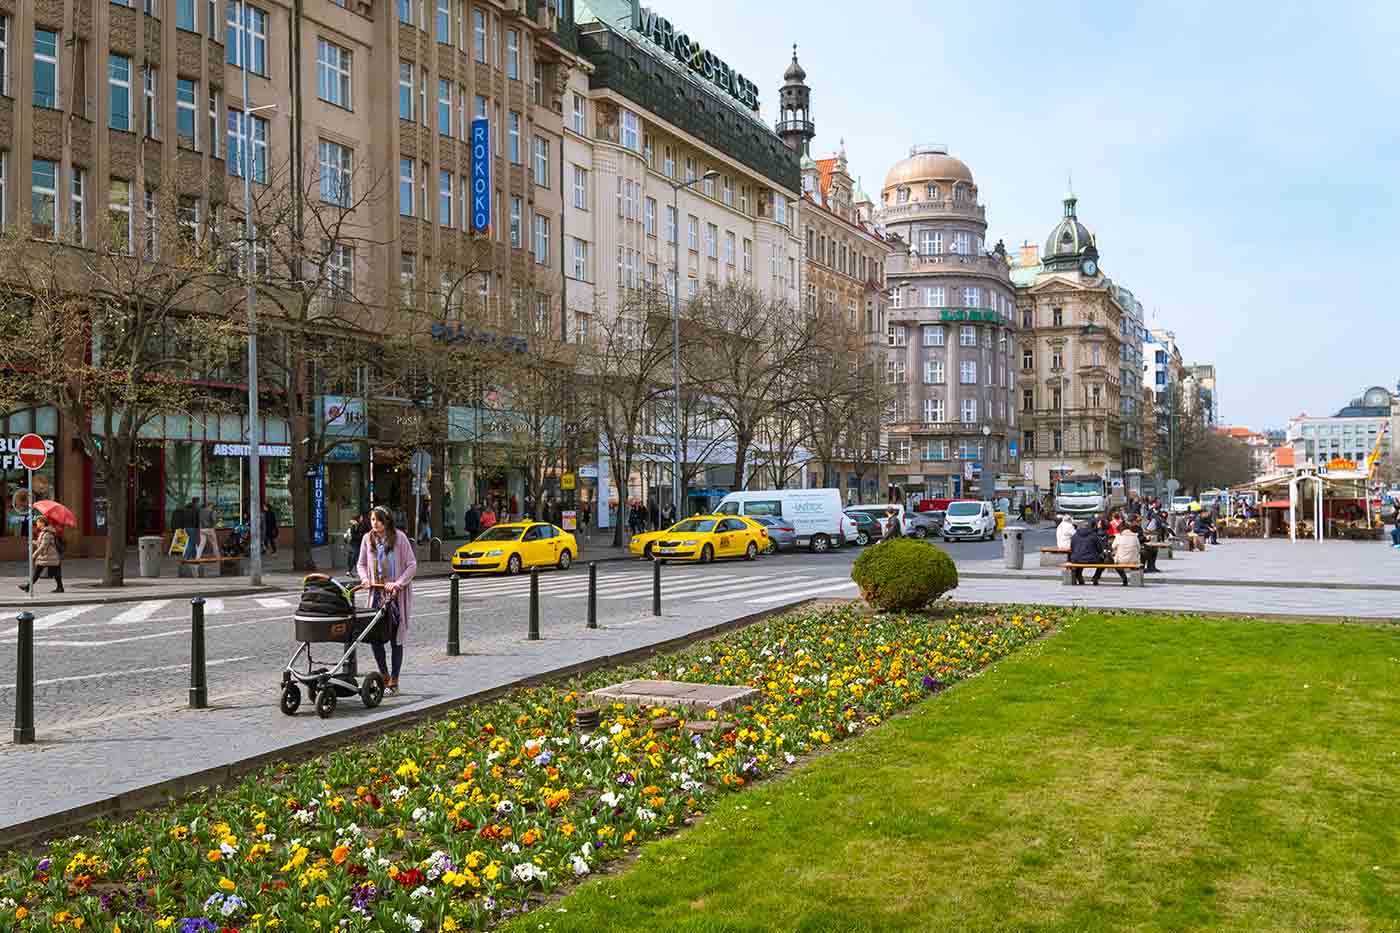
(229, 850)
(609, 799)
(580, 866)
(269, 837)
(413, 923)
(511, 848)
(420, 814)
(492, 757)
(587, 850)
(421, 892)
(304, 817)
(526, 872)
(789, 757)
(851, 727)
(383, 862)
(645, 815)
(505, 806)
(352, 830)
(616, 728)
(588, 774)
(367, 853)
(7, 902)
(398, 793)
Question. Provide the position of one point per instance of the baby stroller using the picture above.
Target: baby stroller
(327, 614)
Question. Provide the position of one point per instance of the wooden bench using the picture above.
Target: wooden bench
(1134, 571)
(232, 565)
(1054, 556)
(1163, 549)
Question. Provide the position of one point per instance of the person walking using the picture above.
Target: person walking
(488, 518)
(1127, 549)
(359, 527)
(1086, 548)
(386, 568)
(207, 533)
(514, 507)
(654, 516)
(191, 526)
(471, 522)
(891, 529)
(1064, 532)
(269, 529)
(48, 555)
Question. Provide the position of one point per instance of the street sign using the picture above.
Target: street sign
(32, 453)
(567, 482)
(1172, 487)
(570, 519)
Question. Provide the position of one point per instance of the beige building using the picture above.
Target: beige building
(950, 331)
(1072, 335)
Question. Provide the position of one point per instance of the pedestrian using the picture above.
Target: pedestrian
(1127, 549)
(654, 515)
(425, 521)
(1086, 548)
(386, 567)
(269, 528)
(1064, 533)
(208, 521)
(191, 526)
(891, 529)
(359, 527)
(471, 522)
(514, 507)
(48, 554)
(585, 513)
(1149, 553)
(488, 518)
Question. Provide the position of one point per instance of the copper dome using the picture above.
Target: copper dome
(928, 163)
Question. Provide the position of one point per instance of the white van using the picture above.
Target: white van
(971, 520)
(815, 514)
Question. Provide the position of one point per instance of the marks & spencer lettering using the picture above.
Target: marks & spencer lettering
(690, 53)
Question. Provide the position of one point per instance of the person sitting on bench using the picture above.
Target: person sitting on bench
(1149, 553)
(1085, 548)
(1127, 549)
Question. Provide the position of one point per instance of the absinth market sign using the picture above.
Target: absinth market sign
(694, 56)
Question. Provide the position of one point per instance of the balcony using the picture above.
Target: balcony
(955, 428)
(796, 126)
(947, 263)
(922, 209)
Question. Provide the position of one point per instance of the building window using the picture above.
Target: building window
(119, 115)
(77, 218)
(711, 241)
(972, 297)
(671, 222)
(897, 335)
(728, 192)
(969, 410)
(4, 56)
(406, 11)
(668, 162)
(580, 188)
(631, 131)
(1096, 355)
(240, 13)
(896, 297)
(186, 123)
(894, 372)
(649, 217)
(709, 185)
(215, 110)
(516, 220)
(46, 69)
(541, 161)
(150, 80)
(445, 197)
(967, 372)
(44, 198)
(692, 232)
(936, 450)
(780, 209)
(513, 54)
(690, 169)
(902, 196)
(337, 164)
(931, 243)
(237, 138)
(541, 240)
(933, 335)
(119, 215)
(933, 373)
(340, 269)
(933, 296)
(513, 138)
(479, 34)
(1057, 317)
(967, 336)
(748, 255)
(1057, 440)
(728, 248)
(1057, 360)
(580, 119)
(444, 22)
(580, 259)
(405, 90)
(405, 187)
(333, 74)
(184, 14)
(1027, 359)
(444, 114)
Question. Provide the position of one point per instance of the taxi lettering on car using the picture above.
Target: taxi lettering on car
(704, 538)
(516, 546)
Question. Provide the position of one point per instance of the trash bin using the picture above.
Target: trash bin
(1013, 548)
(435, 549)
(148, 550)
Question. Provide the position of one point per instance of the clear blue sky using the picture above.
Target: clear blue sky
(1238, 162)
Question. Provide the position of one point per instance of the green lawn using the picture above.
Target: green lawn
(1127, 773)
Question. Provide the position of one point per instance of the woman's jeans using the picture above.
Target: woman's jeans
(1395, 535)
(379, 659)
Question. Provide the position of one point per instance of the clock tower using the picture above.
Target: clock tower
(1070, 245)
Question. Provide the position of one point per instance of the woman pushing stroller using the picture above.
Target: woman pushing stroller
(386, 568)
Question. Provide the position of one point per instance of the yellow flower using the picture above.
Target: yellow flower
(21, 913)
(340, 854)
(165, 923)
(322, 900)
(78, 923)
(449, 924)
(628, 836)
(567, 829)
(215, 855)
(180, 833)
(295, 861)
(226, 884)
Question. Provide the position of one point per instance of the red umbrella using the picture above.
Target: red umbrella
(56, 512)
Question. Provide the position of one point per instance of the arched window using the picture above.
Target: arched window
(903, 195)
(932, 192)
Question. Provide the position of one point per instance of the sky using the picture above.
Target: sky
(1239, 162)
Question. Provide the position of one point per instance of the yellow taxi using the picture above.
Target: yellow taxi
(516, 546)
(704, 538)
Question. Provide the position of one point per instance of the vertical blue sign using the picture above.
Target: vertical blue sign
(481, 175)
(318, 506)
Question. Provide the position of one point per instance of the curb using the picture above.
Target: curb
(1154, 581)
(137, 596)
(162, 792)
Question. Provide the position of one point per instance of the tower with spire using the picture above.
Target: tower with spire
(795, 126)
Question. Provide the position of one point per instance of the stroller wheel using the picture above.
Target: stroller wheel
(325, 703)
(291, 699)
(372, 690)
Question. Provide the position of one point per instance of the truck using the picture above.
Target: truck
(1085, 495)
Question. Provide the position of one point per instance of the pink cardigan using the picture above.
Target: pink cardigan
(408, 566)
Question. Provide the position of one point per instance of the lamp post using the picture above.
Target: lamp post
(988, 487)
(676, 187)
(255, 533)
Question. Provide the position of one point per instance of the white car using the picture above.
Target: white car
(970, 520)
(912, 524)
(815, 515)
(1181, 504)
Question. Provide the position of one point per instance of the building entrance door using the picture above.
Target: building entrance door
(145, 495)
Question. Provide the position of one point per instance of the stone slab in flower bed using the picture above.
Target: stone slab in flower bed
(674, 693)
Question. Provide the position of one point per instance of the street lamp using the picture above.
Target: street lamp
(986, 433)
(255, 533)
(676, 187)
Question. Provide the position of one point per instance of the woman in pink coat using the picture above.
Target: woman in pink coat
(386, 557)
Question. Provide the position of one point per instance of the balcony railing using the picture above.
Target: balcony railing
(948, 262)
(909, 210)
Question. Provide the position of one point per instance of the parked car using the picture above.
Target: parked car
(814, 514)
(970, 520)
(1181, 504)
(781, 535)
(913, 524)
(868, 529)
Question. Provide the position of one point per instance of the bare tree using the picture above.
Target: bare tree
(118, 334)
(838, 390)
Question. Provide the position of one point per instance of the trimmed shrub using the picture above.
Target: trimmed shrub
(903, 574)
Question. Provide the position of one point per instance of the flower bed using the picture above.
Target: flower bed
(456, 823)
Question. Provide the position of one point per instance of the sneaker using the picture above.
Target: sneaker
(24, 587)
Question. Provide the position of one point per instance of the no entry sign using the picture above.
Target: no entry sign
(32, 452)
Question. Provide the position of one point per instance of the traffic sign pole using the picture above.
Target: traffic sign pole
(33, 454)
(29, 523)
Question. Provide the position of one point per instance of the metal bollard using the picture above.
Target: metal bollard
(24, 681)
(534, 604)
(454, 608)
(593, 594)
(656, 587)
(199, 681)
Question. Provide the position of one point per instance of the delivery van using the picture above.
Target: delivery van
(816, 515)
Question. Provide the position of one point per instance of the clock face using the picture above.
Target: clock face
(1089, 267)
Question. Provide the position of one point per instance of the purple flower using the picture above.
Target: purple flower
(544, 758)
(362, 895)
(626, 780)
(44, 864)
(932, 685)
(696, 740)
(197, 925)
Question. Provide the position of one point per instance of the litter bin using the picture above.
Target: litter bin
(148, 550)
(435, 549)
(1013, 548)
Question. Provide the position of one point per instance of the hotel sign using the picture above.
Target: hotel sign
(481, 176)
(991, 317)
(698, 59)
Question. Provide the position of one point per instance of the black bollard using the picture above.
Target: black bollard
(534, 604)
(24, 681)
(454, 607)
(199, 683)
(593, 594)
(656, 587)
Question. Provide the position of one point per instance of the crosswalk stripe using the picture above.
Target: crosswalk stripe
(58, 618)
(268, 602)
(809, 591)
(747, 589)
(694, 589)
(140, 612)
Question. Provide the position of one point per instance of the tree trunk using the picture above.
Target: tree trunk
(620, 484)
(116, 472)
(742, 442)
(437, 486)
(302, 558)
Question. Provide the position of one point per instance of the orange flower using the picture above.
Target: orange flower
(21, 913)
(530, 836)
(628, 836)
(339, 854)
(215, 855)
